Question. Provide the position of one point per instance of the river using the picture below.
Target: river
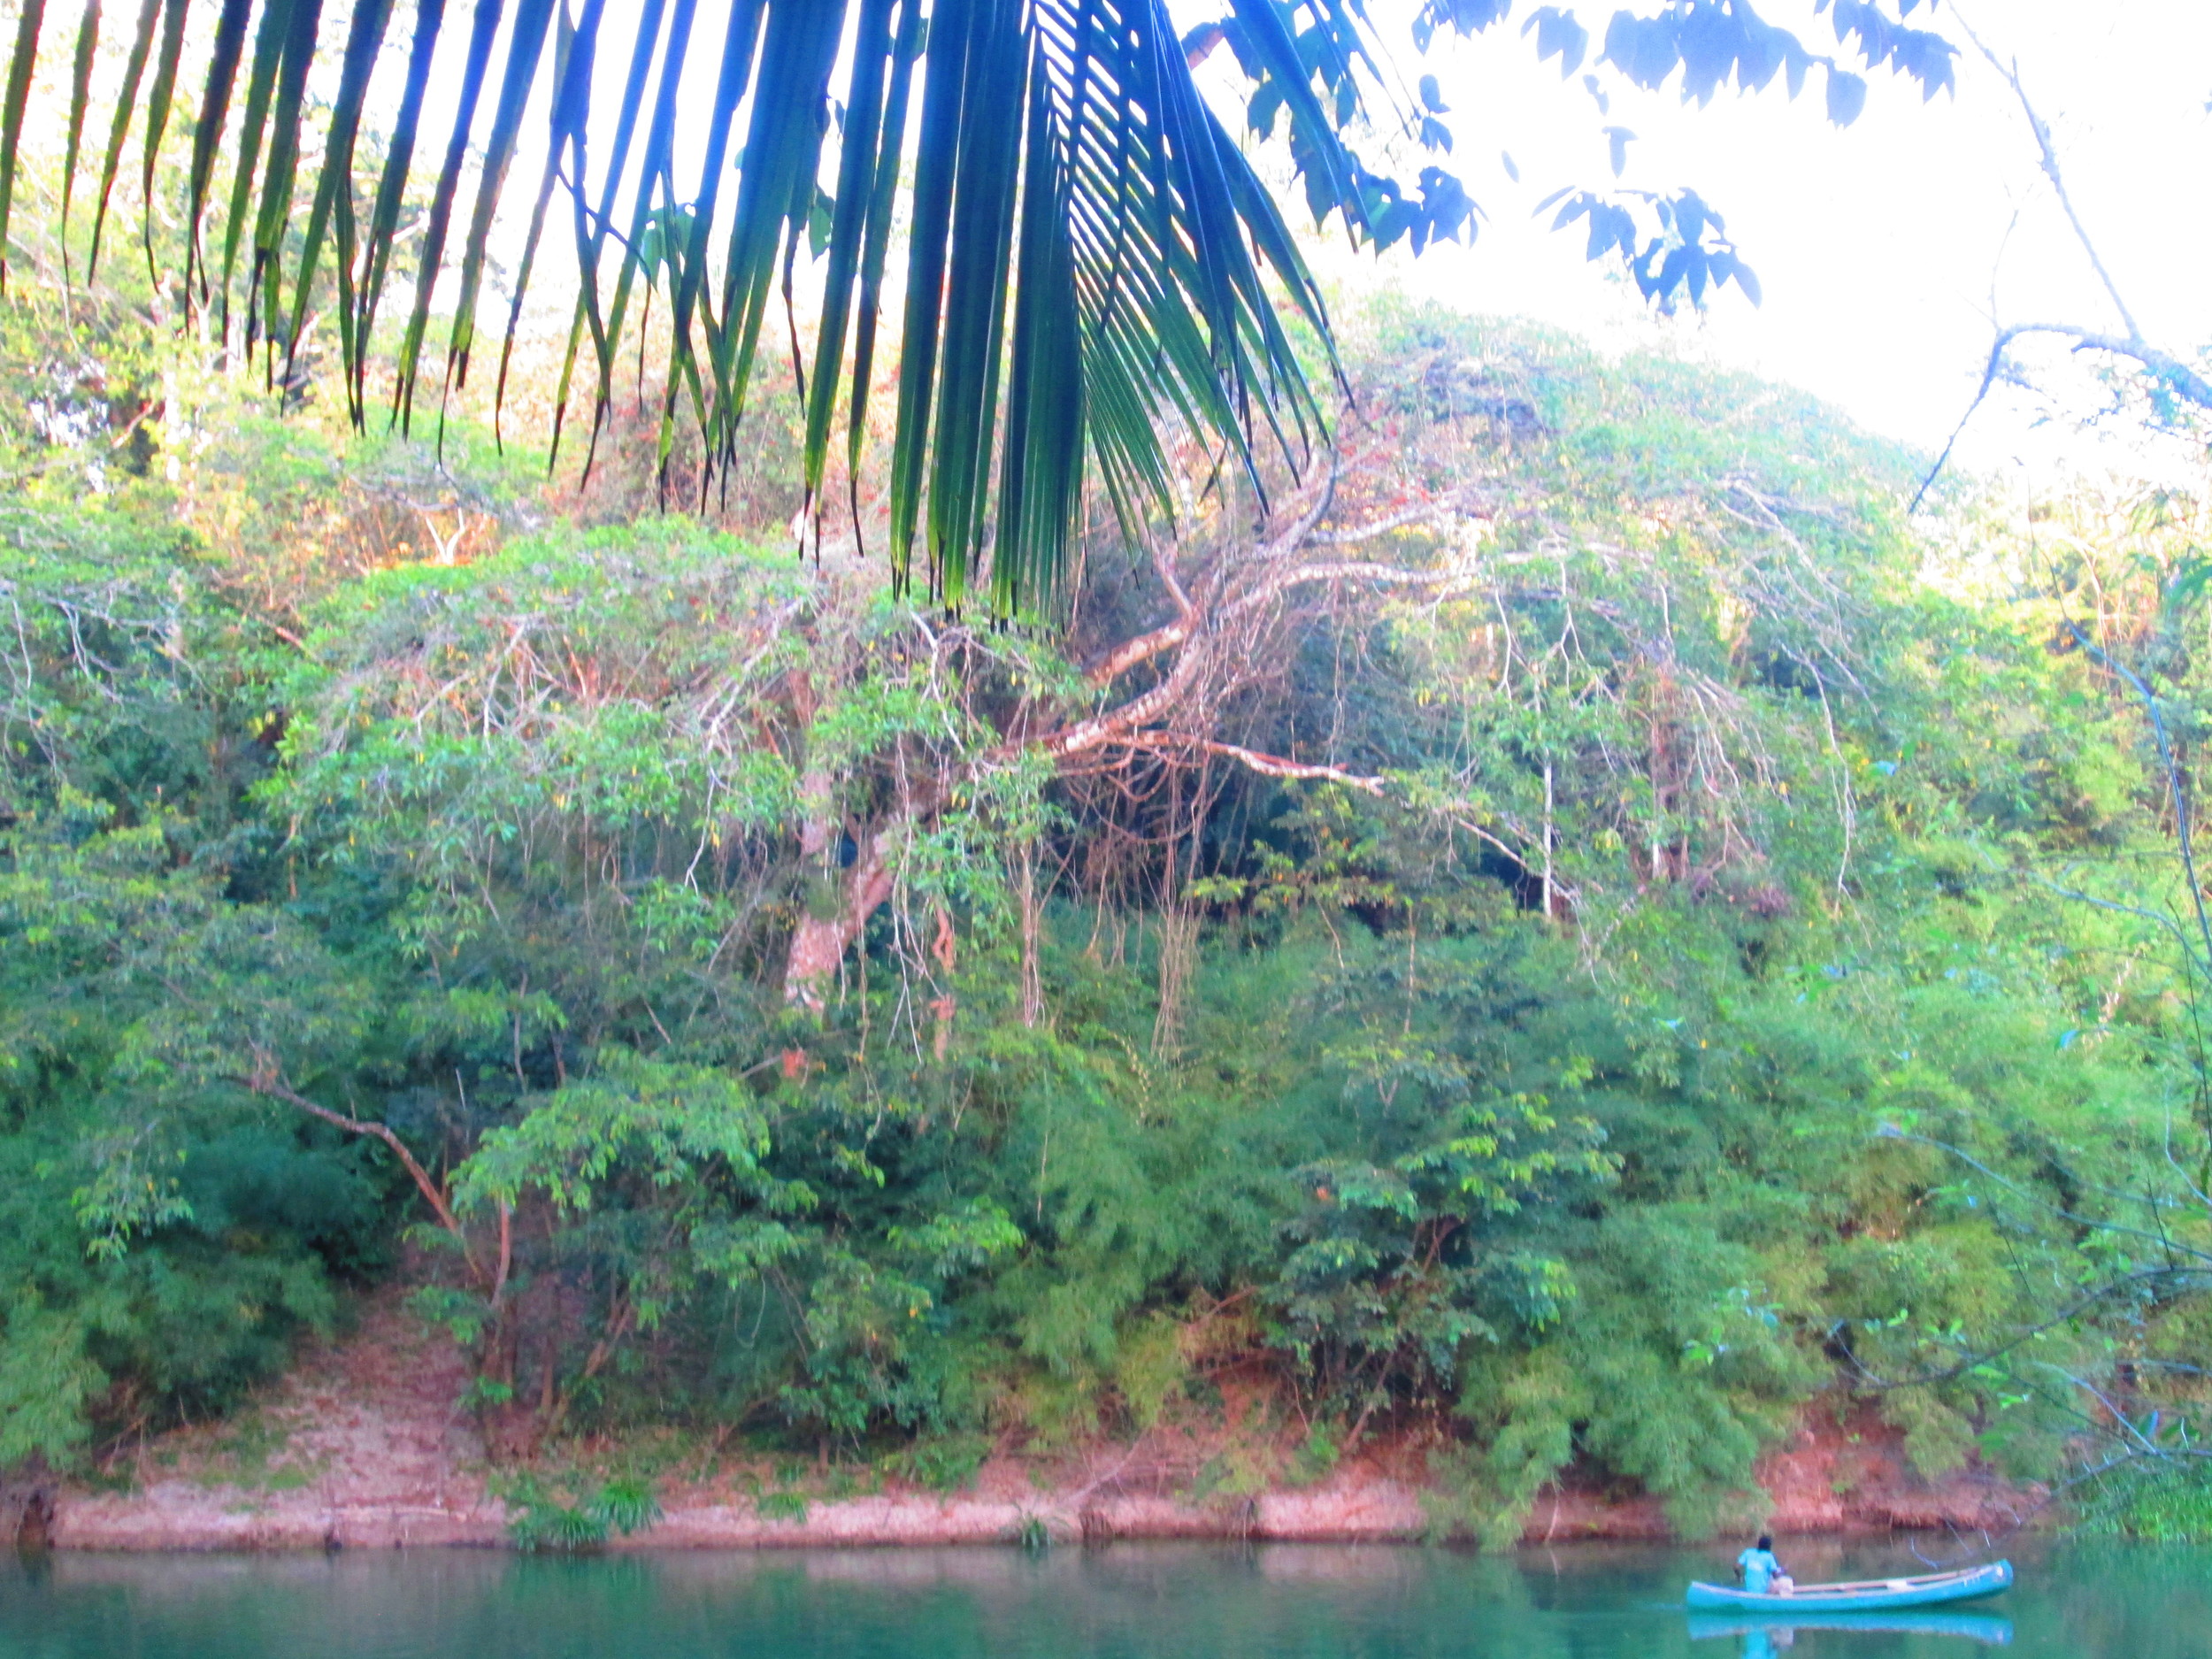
(1283, 1601)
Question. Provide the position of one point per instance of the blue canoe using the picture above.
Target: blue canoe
(1868, 1595)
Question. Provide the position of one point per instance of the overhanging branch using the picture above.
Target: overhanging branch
(2168, 368)
(267, 1081)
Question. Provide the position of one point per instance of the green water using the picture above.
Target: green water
(1287, 1601)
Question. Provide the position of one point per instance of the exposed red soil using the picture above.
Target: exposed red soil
(366, 1443)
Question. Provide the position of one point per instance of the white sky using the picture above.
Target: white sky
(1878, 246)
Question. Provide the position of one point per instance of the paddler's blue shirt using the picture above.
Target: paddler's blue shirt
(1759, 1567)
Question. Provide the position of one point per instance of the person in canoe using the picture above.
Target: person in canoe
(1762, 1574)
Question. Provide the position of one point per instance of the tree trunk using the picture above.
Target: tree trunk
(820, 943)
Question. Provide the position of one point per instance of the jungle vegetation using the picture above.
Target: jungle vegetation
(1466, 891)
(1572, 934)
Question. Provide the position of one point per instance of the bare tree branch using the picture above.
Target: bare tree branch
(2167, 367)
(2181, 376)
(267, 1079)
(1253, 760)
(2048, 153)
(1426, 513)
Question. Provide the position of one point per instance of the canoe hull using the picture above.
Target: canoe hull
(1871, 1598)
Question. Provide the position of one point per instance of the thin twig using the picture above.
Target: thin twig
(2048, 153)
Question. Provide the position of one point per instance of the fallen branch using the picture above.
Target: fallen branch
(1253, 760)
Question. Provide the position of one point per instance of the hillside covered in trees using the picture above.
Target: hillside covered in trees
(1573, 940)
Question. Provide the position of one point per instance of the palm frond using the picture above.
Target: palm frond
(20, 64)
(1090, 257)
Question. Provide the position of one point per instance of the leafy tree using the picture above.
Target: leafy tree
(165, 1243)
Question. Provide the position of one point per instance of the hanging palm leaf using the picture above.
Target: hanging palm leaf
(1089, 256)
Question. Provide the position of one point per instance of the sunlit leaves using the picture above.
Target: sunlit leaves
(1708, 44)
(1469, 16)
(1558, 35)
(1688, 253)
(1713, 41)
(1847, 96)
(1887, 43)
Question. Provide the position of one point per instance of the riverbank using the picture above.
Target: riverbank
(367, 1444)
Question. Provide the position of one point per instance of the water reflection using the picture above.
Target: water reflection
(1122, 1601)
(1764, 1637)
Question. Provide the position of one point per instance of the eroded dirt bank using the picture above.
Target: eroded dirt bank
(367, 1444)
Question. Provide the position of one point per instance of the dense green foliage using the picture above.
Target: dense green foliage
(1575, 1091)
